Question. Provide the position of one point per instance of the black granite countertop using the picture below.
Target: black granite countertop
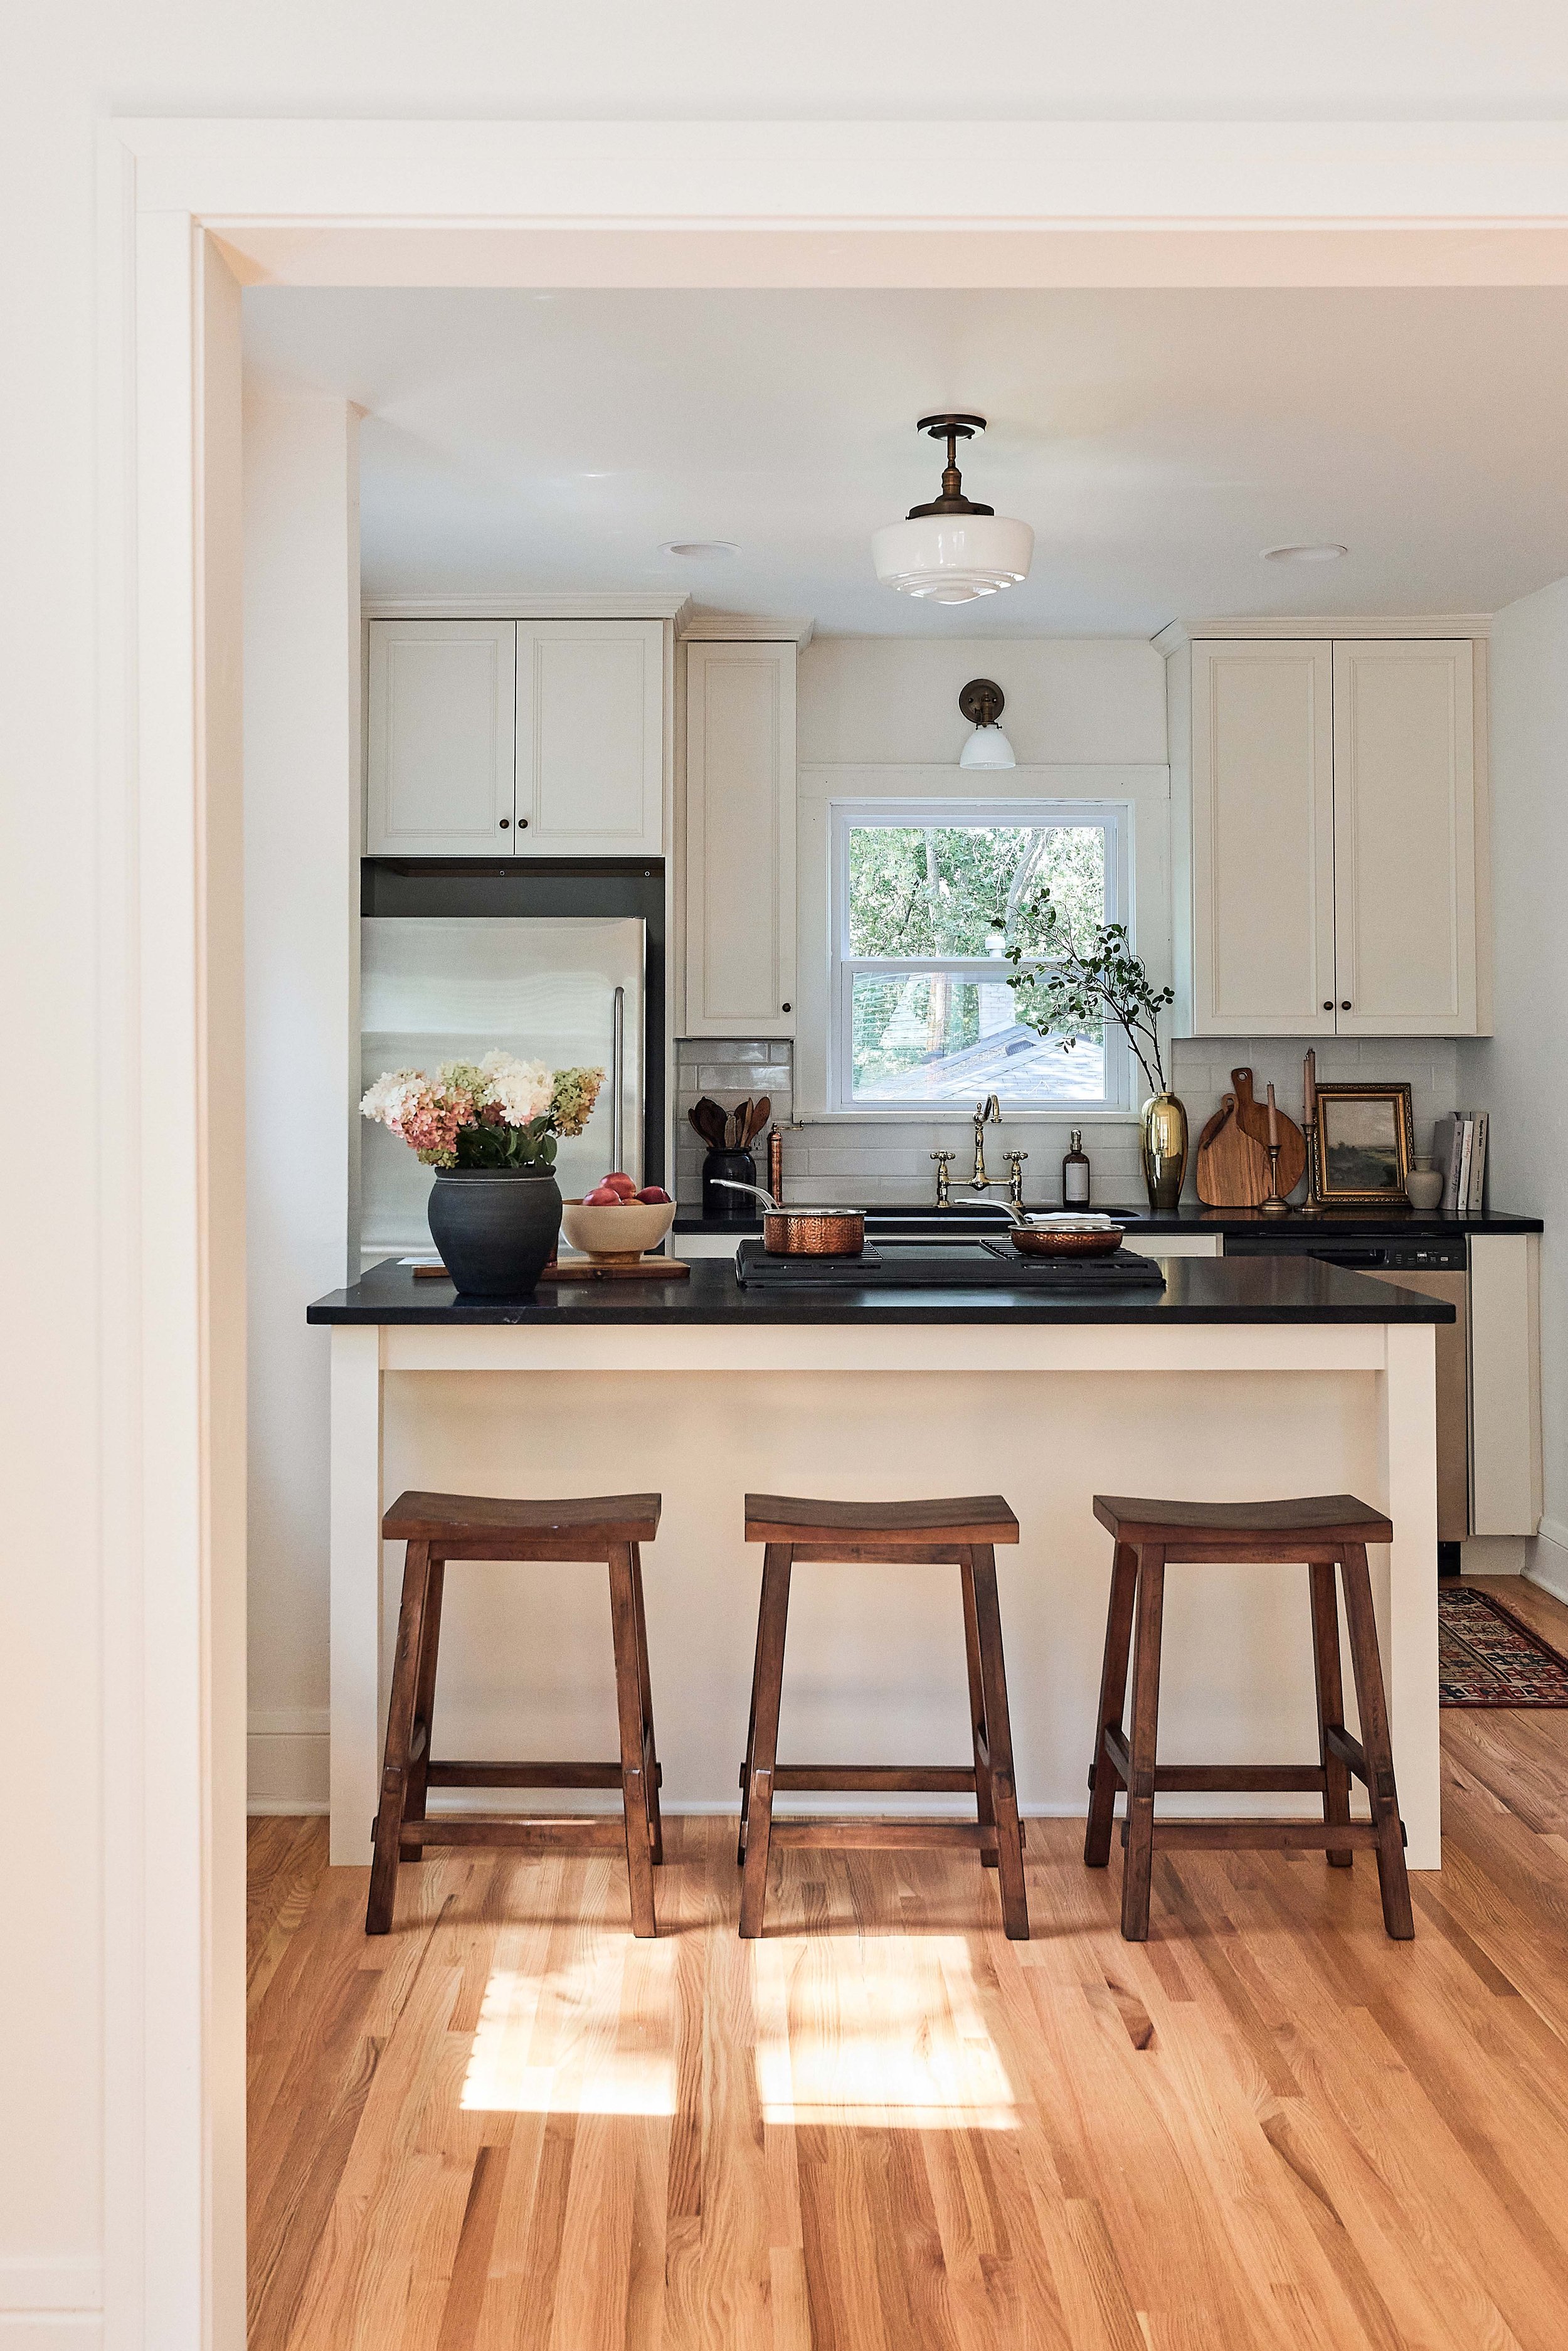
(1197, 1289)
(1346, 1224)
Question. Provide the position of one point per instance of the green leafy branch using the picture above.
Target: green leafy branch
(1057, 985)
(484, 1145)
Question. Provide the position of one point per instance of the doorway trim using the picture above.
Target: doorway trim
(190, 212)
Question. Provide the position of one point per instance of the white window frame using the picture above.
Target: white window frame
(1113, 817)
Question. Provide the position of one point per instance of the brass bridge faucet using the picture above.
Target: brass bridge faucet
(990, 1109)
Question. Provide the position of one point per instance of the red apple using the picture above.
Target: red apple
(654, 1195)
(619, 1182)
(602, 1198)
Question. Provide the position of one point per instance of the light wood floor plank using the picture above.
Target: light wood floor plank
(510, 2126)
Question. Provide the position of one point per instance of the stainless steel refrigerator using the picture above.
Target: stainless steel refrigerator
(568, 990)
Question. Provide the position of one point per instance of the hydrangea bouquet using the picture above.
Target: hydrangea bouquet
(499, 1112)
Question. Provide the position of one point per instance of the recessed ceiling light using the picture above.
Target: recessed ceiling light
(699, 551)
(1327, 553)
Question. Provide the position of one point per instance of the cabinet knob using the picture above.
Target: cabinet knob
(505, 820)
(522, 824)
(1328, 1004)
(785, 1008)
(1345, 1006)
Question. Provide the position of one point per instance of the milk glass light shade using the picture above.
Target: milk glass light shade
(952, 549)
(952, 559)
(987, 746)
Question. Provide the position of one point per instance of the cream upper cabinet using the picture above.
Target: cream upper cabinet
(590, 739)
(1262, 830)
(1405, 839)
(440, 738)
(1327, 811)
(739, 868)
(528, 738)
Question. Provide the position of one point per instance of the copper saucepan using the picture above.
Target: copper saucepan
(804, 1232)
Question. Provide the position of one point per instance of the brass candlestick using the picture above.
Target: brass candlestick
(1273, 1206)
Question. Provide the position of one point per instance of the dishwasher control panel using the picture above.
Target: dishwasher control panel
(1394, 1252)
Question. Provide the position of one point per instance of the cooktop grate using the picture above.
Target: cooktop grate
(969, 1264)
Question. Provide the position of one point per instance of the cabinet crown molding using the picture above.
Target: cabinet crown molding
(745, 628)
(1286, 628)
(510, 606)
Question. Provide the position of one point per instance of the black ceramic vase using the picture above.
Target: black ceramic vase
(495, 1227)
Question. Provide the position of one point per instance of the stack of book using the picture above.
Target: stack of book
(1459, 1150)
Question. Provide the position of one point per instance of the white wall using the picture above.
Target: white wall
(67, 68)
(1520, 1075)
(302, 805)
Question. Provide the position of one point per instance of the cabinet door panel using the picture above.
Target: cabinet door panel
(590, 738)
(440, 738)
(1404, 837)
(740, 840)
(1262, 852)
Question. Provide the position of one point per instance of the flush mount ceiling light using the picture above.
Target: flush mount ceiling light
(982, 703)
(952, 551)
(699, 551)
(1328, 552)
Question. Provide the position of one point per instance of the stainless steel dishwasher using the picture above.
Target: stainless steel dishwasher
(1436, 1265)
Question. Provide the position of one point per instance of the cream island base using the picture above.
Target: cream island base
(1243, 1380)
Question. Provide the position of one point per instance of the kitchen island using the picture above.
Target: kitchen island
(1237, 1379)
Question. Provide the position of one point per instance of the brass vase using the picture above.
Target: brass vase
(1162, 1137)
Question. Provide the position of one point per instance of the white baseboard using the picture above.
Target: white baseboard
(30, 2289)
(1548, 1562)
(287, 1758)
(1494, 1554)
(51, 2305)
(54, 2330)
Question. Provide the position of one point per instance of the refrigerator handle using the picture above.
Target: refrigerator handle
(618, 1079)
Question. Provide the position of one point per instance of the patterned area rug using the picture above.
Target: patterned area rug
(1488, 1656)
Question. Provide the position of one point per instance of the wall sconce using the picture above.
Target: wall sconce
(982, 703)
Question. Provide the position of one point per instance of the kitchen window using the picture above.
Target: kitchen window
(925, 897)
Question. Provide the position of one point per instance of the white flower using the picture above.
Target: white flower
(385, 1099)
(520, 1090)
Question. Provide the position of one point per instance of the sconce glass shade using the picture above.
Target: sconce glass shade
(987, 746)
(952, 558)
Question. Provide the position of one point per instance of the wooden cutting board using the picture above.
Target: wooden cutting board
(1232, 1169)
(1253, 1117)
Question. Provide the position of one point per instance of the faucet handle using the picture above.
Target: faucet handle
(942, 1159)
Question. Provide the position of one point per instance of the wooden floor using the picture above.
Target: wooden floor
(884, 2128)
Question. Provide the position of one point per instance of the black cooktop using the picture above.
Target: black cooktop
(970, 1263)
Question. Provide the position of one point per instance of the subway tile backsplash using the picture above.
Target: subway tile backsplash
(876, 1160)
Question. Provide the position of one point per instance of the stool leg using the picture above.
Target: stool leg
(1142, 1744)
(633, 1753)
(400, 1728)
(1104, 1778)
(751, 1743)
(425, 1703)
(763, 1746)
(985, 1808)
(1330, 1702)
(980, 1570)
(1391, 1877)
(645, 1686)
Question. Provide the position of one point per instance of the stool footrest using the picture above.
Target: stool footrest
(1220, 1779)
(1223, 1835)
(585, 1831)
(870, 1836)
(526, 1775)
(923, 1778)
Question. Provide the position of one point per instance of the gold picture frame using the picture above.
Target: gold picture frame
(1362, 1136)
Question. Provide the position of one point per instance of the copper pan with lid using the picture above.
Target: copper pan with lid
(804, 1232)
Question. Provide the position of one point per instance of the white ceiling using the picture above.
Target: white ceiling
(1157, 442)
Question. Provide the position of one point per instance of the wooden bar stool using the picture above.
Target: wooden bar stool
(1326, 1532)
(960, 1535)
(442, 1527)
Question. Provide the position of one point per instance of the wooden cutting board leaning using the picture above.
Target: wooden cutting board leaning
(1233, 1151)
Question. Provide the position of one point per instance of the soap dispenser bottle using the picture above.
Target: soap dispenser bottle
(1075, 1173)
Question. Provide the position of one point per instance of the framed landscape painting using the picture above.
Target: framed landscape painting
(1364, 1142)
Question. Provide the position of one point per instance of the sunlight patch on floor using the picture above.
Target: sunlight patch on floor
(596, 2038)
(882, 2030)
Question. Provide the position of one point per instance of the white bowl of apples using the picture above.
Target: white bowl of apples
(615, 1224)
